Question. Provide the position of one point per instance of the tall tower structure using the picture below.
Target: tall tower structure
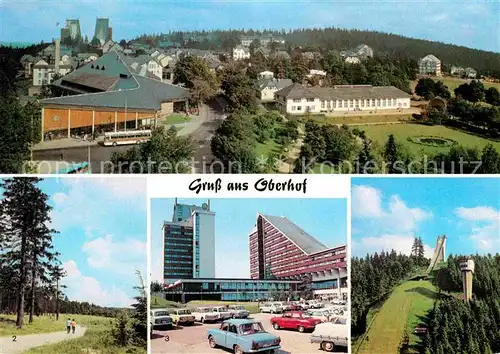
(467, 269)
(439, 253)
(102, 30)
(57, 55)
(189, 243)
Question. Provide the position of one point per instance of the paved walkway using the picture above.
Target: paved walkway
(22, 343)
(66, 143)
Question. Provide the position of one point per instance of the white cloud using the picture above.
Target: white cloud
(122, 256)
(484, 222)
(484, 213)
(89, 289)
(367, 204)
(399, 243)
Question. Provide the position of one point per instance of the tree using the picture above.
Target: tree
(56, 274)
(473, 92)
(254, 45)
(191, 68)
(27, 240)
(391, 154)
(95, 42)
(299, 68)
(165, 152)
(238, 90)
(492, 96)
(123, 43)
(366, 157)
(140, 315)
(490, 160)
(156, 287)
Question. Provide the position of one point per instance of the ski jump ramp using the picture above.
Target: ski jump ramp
(439, 252)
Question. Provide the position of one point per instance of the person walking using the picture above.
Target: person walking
(68, 325)
(73, 325)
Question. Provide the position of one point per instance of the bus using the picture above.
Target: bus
(126, 137)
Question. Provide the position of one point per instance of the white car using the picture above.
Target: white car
(205, 314)
(320, 314)
(316, 304)
(286, 306)
(270, 307)
(223, 312)
(331, 334)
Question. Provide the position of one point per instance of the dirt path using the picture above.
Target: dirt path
(293, 154)
(22, 343)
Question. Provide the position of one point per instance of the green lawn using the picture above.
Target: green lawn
(158, 302)
(454, 82)
(177, 119)
(380, 134)
(265, 149)
(43, 324)
(252, 307)
(402, 310)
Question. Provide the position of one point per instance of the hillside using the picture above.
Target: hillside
(338, 39)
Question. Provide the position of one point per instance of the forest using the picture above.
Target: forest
(337, 39)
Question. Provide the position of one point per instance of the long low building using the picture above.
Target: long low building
(106, 95)
(299, 99)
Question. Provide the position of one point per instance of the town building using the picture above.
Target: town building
(267, 87)
(459, 71)
(102, 30)
(429, 65)
(280, 249)
(111, 45)
(265, 75)
(358, 54)
(222, 289)
(241, 52)
(43, 72)
(189, 243)
(144, 64)
(106, 95)
(71, 30)
(298, 99)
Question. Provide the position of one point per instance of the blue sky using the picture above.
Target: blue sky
(102, 240)
(388, 212)
(468, 23)
(325, 219)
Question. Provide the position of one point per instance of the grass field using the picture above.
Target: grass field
(43, 324)
(158, 302)
(269, 147)
(252, 307)
(177, 119)
(404, 308)
(380, 134)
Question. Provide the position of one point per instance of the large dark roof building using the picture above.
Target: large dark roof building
(280, 249)
(109, 94)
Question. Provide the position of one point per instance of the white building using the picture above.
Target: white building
(144, 64)
(268, 87)
(352, 60)
(298, 99)
(44, 72)
(429, 65)
(241, 52)
(265, 75)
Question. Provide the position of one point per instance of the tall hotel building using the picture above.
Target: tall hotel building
(279, 249)
(189, 243)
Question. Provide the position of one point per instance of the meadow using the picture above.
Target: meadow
(402, 311)
(158, 302)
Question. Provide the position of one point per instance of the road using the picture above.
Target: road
(22, 343)
(211, 118)
(193, 339)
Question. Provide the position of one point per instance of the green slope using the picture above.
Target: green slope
(403, 309)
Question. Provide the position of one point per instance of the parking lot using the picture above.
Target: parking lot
(193, 339)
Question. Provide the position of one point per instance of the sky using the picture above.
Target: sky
(324, 219)
(102, 224)
(387, 213)
(468, 23)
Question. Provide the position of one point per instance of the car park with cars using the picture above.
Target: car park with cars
(205, 314)
(160, 319)
(238, 311)
(223, 312)
(181, 316)
(243, 336)
(331, 335)
(294, 320)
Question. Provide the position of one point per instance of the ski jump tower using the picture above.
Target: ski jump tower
(467, 268)
(439, 253)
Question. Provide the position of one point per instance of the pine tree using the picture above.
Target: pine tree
(391, 155)
(140, 315)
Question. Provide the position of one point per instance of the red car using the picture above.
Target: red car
(295, 320)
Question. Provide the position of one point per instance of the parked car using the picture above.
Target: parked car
(315, 304)
(160, 319)
(302, 305)
(181, 316)
(223, 312)
(243, 336)
(295, 320)
(286, 306)
(205, 314)
(331, 335)
(320, 314)
(270, 307)
(238, 311)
